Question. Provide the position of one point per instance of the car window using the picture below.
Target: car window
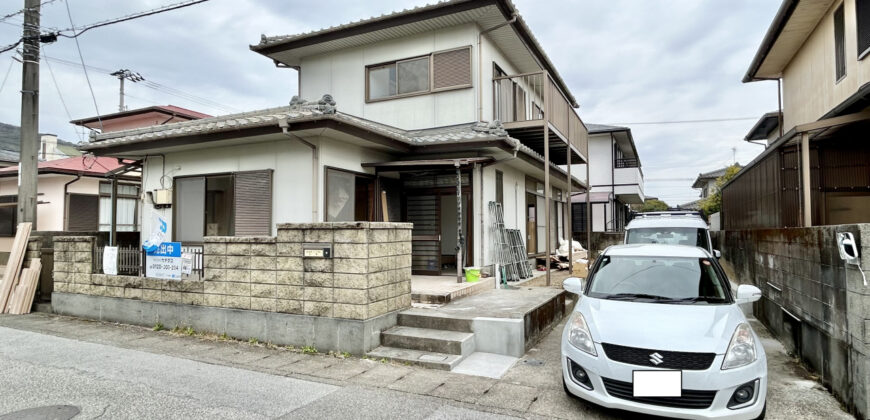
(658, 279)
(668, 235)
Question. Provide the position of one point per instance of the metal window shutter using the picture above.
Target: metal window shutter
(451, 68)
(253, 203)
(83, 213)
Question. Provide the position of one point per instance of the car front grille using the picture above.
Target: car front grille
(689, 399)
(667, 359)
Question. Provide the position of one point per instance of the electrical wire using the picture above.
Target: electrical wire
(9, 70)
(13, 14)
(63, 102)
(686, 121)
(84, 68)
(80, 30)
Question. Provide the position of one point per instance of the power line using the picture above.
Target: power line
(80, 30)
(686, 121)
(2, 85)
(63, 102)
(13, 14)
(79, 49)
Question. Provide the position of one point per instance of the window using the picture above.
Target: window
(237, 204)
(349, 196)
(128, 207)
(8, 215)
(862, 16)
(449, 70)
(82, 213)
(839, 43)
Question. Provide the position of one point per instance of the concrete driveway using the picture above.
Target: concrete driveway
(117, 371)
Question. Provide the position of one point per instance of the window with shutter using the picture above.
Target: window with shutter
(862, 17)
(451, 69)
(253, 203)
(83, 213)
(839, 43)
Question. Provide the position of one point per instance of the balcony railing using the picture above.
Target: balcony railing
(519, 102)
(627, 163)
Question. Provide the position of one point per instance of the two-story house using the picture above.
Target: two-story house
(410, 111)
(816, 167)
(615, 180)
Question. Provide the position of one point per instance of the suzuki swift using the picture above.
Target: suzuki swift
(657, 331)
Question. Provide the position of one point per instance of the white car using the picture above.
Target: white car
(657, 331)
(670, 228)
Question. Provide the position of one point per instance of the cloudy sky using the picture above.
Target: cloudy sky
(627, 61)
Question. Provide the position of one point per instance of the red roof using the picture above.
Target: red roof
(164, 109)
(183, 111)
(94, 166)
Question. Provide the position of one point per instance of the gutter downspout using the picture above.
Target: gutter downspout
(480, 63)
(66, 208)
(315, 165)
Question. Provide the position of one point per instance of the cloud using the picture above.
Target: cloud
(625, 61)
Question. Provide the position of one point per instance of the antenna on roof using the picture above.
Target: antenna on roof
(125, 74)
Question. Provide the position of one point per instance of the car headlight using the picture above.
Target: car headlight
(741, 350)
(579, 335)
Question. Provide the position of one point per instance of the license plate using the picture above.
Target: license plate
(657, 383)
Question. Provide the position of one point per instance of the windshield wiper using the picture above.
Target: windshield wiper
(707, 299)
(634, 296)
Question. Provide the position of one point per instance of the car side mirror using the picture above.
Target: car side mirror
(747, 293)
(573, 285)
(717, 253)
(847, 247)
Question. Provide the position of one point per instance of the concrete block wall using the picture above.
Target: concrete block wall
(817, 305)
(368, 276)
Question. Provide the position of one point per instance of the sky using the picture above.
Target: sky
(627, 62)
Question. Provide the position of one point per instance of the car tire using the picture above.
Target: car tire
(763, 412)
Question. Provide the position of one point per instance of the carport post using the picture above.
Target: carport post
(569, 215)
(459, 241)
(547, 192)
(805, 180)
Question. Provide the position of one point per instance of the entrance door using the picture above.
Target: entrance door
(424, 212)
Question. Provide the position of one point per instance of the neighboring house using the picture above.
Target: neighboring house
(50, 147)
(616, 180)
(818, 171)
(141, 117)
(74, 195)
(706, 182)
(401, 124)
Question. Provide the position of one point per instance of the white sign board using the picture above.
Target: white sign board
(110, 260)
(186, 263)
(164, 262)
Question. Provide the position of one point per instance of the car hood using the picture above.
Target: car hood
(689, 328)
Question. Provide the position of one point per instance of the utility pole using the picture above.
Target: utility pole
(125, 74)
(27, 168)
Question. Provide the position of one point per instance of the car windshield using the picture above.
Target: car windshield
(668, 235)
(658, 279)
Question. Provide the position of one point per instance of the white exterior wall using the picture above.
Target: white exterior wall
(514, 204)
(342, 74)
(50, 215)
(291, 179)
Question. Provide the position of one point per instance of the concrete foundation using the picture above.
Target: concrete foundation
(324, 333)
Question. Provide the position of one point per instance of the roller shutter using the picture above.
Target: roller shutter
(253, 203)
(451, 69)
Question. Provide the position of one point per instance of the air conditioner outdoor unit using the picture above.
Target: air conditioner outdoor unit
(162, 198)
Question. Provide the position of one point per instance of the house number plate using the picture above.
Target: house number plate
(317, 250)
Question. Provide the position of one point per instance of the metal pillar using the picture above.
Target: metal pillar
(806, 187)
(588, 215)
(569, 217)
(547, 189)
(113, 228)
(460, 241)
(28, 166)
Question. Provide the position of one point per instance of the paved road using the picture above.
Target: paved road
(119, 371)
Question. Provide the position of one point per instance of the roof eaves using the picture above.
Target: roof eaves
(786, 9)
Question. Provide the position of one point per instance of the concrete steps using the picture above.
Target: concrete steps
(428, 360)
(435, 342)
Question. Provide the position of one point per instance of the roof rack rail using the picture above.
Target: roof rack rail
(669, 214)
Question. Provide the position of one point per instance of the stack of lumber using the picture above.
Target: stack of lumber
(18, 286)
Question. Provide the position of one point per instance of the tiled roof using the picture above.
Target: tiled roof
(92, 166)
(293, 113)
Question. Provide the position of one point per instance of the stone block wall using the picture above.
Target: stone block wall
(368, 276)
(817, 305)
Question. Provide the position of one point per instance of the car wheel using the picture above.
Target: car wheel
(763, 411)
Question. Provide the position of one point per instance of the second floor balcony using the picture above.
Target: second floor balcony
(526, 103)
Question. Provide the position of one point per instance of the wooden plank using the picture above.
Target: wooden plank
(13, 266)
(32, 282)
(17, 299)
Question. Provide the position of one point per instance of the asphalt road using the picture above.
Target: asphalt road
(121, 371)
(38, 370)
